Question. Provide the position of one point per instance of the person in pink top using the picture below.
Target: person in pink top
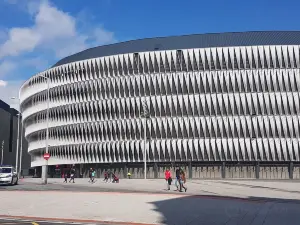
(168, 178)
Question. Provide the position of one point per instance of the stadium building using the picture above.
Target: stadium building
(221, 106)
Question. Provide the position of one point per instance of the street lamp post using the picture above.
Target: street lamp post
(146, 115)
(18, 135)
(21, 149)
(18, 140)
(2, 151)
(45, 167)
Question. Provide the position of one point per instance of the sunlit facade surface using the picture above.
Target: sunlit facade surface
(214, 98)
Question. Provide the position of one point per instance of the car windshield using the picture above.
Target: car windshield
(5, 170)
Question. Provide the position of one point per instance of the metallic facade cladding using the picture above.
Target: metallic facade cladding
(206, 104)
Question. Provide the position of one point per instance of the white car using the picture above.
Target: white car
(8, 175)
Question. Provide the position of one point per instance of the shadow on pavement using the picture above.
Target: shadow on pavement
(222, 210)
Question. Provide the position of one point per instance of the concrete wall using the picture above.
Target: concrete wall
(194, 170)
(238, 172)
(26, 158)
(274, 172)
(13, 134)
(5, 132)
(206, 172)
(9, 133)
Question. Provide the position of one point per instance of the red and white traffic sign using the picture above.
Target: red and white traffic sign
(46, 156)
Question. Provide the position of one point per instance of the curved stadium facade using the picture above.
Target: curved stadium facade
(221, 105)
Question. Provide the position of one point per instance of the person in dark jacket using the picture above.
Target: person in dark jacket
(66, 177)
(72, 172)
(90, 174)
(177, 182)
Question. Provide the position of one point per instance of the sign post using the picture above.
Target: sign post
(46, 156)
(2, 151)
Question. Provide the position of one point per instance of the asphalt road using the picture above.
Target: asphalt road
(28, 222)
(69, 188)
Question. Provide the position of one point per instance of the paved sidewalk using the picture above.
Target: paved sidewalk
(149, 208)
(207, 202)
(230, 188)
(33, 221)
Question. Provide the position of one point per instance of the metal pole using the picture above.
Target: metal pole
(2, 151)
(17, 152)
(45, 167)
(145, 150)
(146, 114)
(21, 149)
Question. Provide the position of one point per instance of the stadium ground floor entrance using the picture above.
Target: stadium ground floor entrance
(193, 170)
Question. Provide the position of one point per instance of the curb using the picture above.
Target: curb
(65, 220)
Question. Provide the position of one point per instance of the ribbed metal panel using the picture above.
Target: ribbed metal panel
(208, 104)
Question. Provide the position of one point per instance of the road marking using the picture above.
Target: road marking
(7, 223)
(34, 223)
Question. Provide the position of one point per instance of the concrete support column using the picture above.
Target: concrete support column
(155, 167)
(44, 174)
(125, 171)
(81, 169)
(223, 170)
(190, 170)
(97, 170)
(291, 170)
(257, 169)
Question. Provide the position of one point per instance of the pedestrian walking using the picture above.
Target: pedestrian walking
(93, 176)
(168, 178)
(115, 178)
(66, 177)
(90, 174)
(182, 181)
(72, 175)
(105, 176)
(177, 181)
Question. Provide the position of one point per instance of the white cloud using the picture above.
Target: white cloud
(53, 31)
(3, 83)
(52, 35)
(51, 25)
(20, 40)
(9, 90)
(103, 37)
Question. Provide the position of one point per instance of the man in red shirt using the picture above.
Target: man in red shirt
(168, 178)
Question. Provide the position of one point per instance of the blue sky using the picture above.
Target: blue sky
(34, 34)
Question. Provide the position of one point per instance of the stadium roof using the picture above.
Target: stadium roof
(187, 42)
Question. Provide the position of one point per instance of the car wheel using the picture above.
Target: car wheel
(16, 183)
(12, 182)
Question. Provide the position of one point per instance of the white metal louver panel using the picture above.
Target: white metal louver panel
(212, 97)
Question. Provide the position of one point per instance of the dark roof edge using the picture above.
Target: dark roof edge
(165, 37)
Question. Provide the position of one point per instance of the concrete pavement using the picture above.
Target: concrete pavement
(206, 202)
(148, 208)
(230, 188)
(11, 221)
